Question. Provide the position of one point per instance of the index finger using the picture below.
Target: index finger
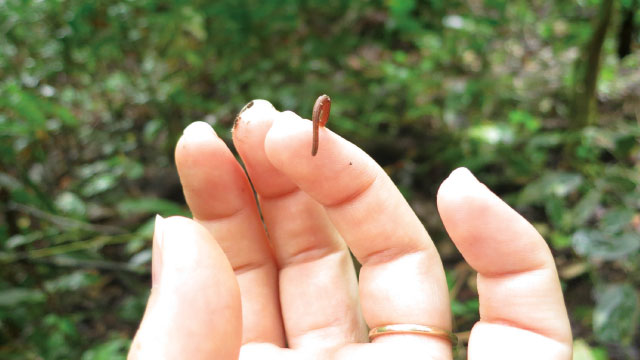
(402, 279)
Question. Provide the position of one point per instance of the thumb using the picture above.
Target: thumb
(194, 310)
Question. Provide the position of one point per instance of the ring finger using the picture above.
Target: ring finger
(402, 279)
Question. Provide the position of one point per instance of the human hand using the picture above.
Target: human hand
(222, 288)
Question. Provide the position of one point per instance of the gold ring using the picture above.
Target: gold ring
(413, 329)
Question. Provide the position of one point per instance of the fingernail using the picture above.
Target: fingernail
(462, 174)
(199, 130)
(156, 252)
(259, 106)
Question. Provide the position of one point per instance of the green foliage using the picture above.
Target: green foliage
(615, 316)
(582, 351)
(113, 349)
(15, 296)
(93, 96)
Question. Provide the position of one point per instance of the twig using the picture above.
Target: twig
(463, 271)
(94, 264)
(66, 222)
(65, 248)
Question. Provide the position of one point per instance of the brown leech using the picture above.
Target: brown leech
(238, 118)
(319, 117)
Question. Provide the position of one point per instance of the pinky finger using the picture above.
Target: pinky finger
(522, 311)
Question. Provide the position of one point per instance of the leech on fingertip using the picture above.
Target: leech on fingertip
(238, 118)
(248, 106)
(319, 117)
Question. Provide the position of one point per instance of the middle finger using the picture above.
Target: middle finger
(402, 279)
(318, 286)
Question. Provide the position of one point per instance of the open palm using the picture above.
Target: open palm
(277, 281)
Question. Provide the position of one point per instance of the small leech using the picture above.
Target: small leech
(238, 118)
(319, 117)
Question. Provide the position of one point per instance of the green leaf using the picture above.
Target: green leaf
(150, 205)
(600, 246)
(23, 239)
(582, 351)
(113, 349)
(64, 115)
(586, 207)
(557, 212)
(10, 182)
(615, 317)
(546, 140)
(25, 105)
(141, 258)
(194, 23)
(35, 110)
(520, 117)
(560, 241)
(20, 296)
(151, 130)
(141, 236)
(71, 204)
(491, 134)
(99, 184)
(558, 184)
(616, 220)
(599, 137)
(132, 308)
(56, 336)
(466, 308)
(71, 282)
(401, 7)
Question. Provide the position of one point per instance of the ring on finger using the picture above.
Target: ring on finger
(413, 329)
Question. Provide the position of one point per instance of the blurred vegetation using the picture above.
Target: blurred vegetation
(540, 99)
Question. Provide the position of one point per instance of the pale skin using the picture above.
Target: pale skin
(226, 288)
